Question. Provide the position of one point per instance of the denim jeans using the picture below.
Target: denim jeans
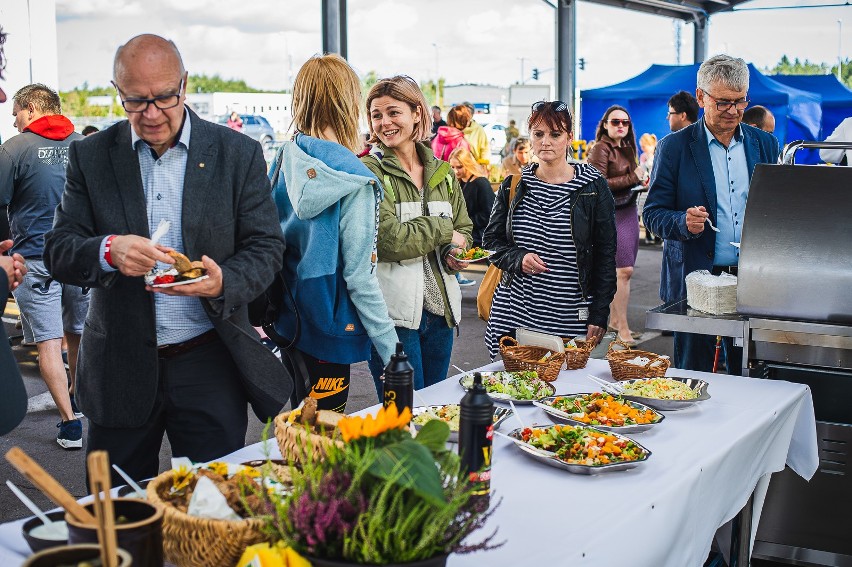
(428, 348)
(696, 352)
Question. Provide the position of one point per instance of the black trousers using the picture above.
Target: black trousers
(326, 382)
(200, 404)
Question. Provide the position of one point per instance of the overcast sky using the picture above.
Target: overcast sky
(481, 41)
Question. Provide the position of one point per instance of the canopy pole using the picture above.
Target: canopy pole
(566, 51)
(334, 27)
(702, 38)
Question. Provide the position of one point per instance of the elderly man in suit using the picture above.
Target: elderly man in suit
(181, 360)
(702, 173)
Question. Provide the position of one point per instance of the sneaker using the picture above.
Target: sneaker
(65, 359)
(77, 413)
(466, 283)
(70, 434)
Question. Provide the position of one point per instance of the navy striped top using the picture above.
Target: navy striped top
(550, 302)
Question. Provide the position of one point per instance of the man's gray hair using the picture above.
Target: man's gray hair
(730, 71)
(43, 98)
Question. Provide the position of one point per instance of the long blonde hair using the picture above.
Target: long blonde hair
(327, 94)
(465, 158)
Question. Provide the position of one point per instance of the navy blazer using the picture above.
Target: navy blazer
(228, 214)
(682, 177)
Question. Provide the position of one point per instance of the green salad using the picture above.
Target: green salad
(524, 385)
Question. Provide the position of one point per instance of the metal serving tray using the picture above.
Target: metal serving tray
(560, 416)
(467, 380)
(695, 384)
(500, 415)
(549, 458)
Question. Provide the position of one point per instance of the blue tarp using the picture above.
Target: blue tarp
(836, 98)
(797, 112)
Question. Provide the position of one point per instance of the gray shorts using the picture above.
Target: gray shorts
(49, 308)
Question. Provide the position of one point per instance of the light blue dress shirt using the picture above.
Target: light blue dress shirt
(730, 171)
(178, 318)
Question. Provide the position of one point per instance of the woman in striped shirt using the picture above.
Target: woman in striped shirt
(555, 242)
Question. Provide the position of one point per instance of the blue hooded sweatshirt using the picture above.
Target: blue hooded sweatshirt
(327, 204)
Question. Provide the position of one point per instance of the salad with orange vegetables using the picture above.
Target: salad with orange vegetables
(475, 253)
(604, 409)
(583, 445)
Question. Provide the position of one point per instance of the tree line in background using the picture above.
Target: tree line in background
(76, 102)
(797, 67)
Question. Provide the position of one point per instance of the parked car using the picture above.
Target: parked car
(496, 136)
(255, 126)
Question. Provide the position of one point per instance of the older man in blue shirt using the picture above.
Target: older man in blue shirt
(702, 173)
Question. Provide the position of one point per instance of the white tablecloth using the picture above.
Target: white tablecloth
(706, 462)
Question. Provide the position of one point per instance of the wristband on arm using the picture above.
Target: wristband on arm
(107, 246)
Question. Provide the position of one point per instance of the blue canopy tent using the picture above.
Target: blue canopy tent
(836, 98)
(797, 112)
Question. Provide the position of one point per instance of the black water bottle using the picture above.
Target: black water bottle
(476, 433)
(399, 381)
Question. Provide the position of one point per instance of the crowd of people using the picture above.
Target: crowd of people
(366, 240)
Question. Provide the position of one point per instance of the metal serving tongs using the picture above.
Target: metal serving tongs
(607, 387)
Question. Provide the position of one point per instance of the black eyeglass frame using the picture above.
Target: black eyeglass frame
(149, 101)
(726, 105)
(556, 105)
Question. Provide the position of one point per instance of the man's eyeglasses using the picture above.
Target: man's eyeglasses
(556, 105)
(163, 102)
(619, 121)
(726, 105)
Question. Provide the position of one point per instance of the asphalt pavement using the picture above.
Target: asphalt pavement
(37, 434)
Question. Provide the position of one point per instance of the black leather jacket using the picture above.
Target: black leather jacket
(593, 231)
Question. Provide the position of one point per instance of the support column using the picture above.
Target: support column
(334, 27)
(566, 51)
(702, 37)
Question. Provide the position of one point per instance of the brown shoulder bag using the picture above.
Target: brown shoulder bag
(493, 274)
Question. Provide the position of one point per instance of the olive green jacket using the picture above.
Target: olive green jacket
(410, 228)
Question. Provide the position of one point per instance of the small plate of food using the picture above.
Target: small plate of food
(475, 254)
(519, 387)
(182, 272)
(449, 414)
(580, 449)
(602, 411)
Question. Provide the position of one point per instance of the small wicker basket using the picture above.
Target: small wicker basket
(295, 440)
(623, 370)
(577, 358)
(519, 358)
(189, 541)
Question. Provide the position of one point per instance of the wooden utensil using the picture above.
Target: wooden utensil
(100, 485)
(48, 485)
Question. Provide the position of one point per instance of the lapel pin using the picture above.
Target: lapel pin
(312, 173)
(201, 164)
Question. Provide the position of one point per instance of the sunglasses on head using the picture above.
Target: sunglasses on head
(619, 121)
(556, 105)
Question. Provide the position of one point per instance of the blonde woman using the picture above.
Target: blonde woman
(423, 222)
(328, 204)
(478, 196)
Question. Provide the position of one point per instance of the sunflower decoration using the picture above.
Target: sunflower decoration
(182, 478)
(387, 419)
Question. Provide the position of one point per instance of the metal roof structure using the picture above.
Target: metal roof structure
(697, 12)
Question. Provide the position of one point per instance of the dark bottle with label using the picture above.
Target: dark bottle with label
(399, 381)
(476, 433)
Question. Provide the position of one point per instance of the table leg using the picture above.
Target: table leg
(741, 535)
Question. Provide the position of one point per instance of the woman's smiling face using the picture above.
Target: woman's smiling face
(393, 121)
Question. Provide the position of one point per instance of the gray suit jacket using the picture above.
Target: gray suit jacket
(228, 214)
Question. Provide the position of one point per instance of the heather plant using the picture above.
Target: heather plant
(384, 497)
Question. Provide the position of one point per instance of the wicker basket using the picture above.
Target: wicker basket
(294, 440)
(189, 541)
(622, 370)
(576, 358)
(519, 358)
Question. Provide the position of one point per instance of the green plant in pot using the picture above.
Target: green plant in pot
(383, 498)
